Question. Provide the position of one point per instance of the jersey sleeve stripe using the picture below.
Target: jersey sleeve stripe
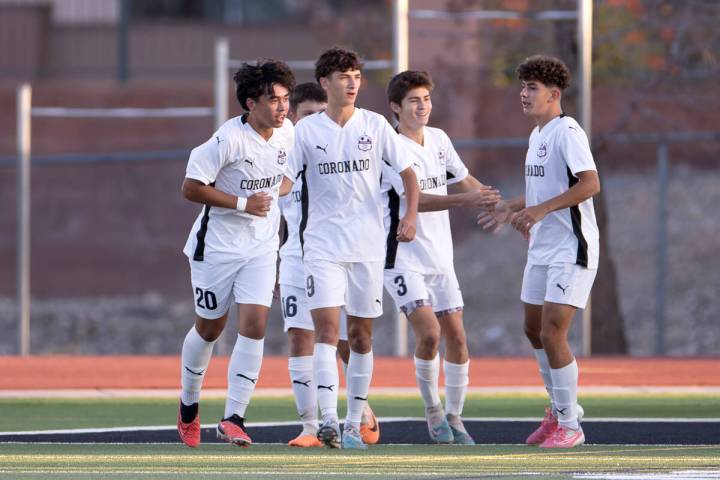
(304, 204)
(392, 242)
(576, 218)
(199, 255)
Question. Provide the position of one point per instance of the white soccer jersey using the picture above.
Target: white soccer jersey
(555, 155)
(291, 262)
(436, 164)
(340, 168)
(238, 161)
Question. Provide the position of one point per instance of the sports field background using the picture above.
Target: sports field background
(100, 424)
(108, 277)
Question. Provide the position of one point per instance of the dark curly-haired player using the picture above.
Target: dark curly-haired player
(557, 216)
(237, 176)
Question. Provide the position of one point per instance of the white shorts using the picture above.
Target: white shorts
(296, 313)
(442, 291)
(564, 283)
(357, 286)
(250, 281)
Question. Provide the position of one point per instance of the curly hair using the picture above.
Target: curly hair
(253, 81)
(307, 91)
(336, 59)
(546, 70)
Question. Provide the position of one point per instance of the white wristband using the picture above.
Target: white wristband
(241, 203)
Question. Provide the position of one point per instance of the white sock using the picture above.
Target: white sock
(326, 379)
(456, 384)
(305, 392)
(243, 372)
(195, 358)
(427, 373)
(565, 382)
(544, 367)
(359, 374)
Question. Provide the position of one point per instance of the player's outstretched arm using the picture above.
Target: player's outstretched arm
(481, 197)
(500, 214)
(196, 191)
(588, 185)
(406, 227)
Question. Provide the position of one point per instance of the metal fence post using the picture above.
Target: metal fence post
(122, 41)
(222, 54)
(663, 165)
(401, 50)
(24, 104)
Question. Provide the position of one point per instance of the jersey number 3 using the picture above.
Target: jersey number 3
(400, 282)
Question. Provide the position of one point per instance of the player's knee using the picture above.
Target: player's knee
(301, 344)
(209, 330)
(429, 341)
(549, 336)
(533, 334)
(456, 341)
(326, 334)
(360, 340)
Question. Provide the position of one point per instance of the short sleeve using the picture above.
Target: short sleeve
(391, 180)
(296, 160)
(392, 152)
(456, 169)
(207, 159)
(575, 149)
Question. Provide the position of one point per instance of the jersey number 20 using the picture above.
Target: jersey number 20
(206, 299)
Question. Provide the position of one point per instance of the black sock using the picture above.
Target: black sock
(236, 419)
(188, 412)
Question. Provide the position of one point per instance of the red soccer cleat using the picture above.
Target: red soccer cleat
(189, 432)
(232, 430)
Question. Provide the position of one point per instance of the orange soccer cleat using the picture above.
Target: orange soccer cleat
(305, 441)
(369, 427)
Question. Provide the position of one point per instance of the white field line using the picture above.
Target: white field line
(160, 428)
(283, 392)
(676, 475)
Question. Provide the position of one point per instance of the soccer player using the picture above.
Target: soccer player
(557, 216)
(338, 156)
(232, 247)
(306, 99)
(420, 275)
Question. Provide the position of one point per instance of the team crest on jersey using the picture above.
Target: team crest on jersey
(282, 156)
(542, 150)
(441, 156)
(364, 143)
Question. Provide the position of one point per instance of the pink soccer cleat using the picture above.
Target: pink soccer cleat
(548, 425)
(564, 437)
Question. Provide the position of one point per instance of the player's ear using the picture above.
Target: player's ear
(324, 82)
(395, 107)
(251, 103)
(554, 94)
